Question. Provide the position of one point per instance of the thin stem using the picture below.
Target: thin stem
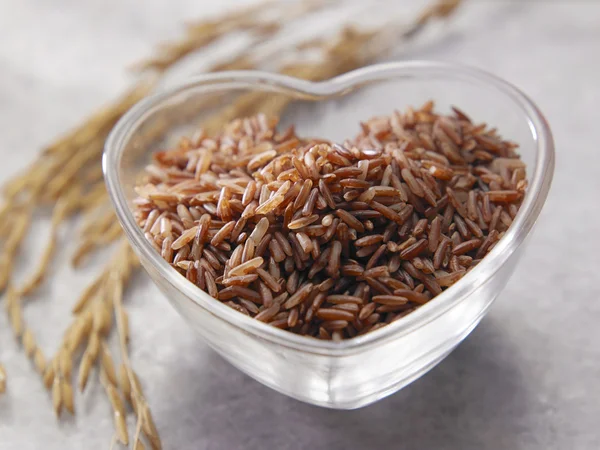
(113, 441)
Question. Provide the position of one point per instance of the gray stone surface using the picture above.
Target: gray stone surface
(527, 378)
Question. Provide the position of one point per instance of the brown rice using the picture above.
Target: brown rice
(331, 240)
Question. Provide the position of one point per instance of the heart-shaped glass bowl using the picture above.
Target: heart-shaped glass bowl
(358, 371)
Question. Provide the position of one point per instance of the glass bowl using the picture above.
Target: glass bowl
(361, 370)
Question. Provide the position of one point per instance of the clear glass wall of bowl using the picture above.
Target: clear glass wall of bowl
(362, 370)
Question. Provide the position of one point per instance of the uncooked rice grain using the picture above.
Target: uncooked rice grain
(332, 240)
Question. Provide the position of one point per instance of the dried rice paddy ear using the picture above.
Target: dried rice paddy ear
(2, 379)
(79, 331)
(63, 208)
(108, 365)
(89, 292)
(137, 437)
(57, 393)
(88, 359)
(205, 32)
(65, 362)
(96, 238)
(102, 317)
(124, 383)
(67, 395)
(48, 376)
(128, 380)
(20, 225)
(119, 413)
(40, 361)
(100, 123)
(149, 428)
(14, 310)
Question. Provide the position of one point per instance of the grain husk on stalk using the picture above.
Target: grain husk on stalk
(118, 407)
(2, 379)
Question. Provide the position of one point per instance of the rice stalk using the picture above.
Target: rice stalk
(95, 222)
(20, 226)
(130, 384)
(48, 376)
(64, 207)
(15, 311)
(92, 289)
(65, 362)
(205, 32)
(137, 442)
(68, 173)
(108, 365)
(348, 50)
(2, 379)
(57, 393)
(67, 395)
(101, 122)
(40, 361)
(88, 359)
(118, 408)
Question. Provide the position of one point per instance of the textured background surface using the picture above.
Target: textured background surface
(527, 378)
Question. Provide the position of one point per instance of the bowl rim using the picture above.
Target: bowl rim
(540, 181)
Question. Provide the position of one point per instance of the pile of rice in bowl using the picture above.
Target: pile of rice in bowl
(332, 240)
